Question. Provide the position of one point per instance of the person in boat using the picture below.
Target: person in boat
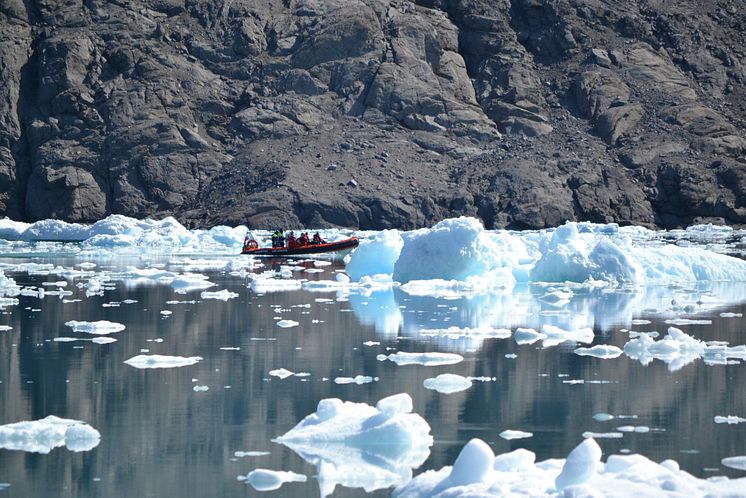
(317, 239)
(303, 240)
(292, 241)
(278, 238)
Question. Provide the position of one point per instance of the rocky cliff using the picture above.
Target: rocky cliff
(374, 113)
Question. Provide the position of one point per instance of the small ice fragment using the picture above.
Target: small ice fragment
(603, 417)
(687, 321)
(282, 373)
(358, 379)
(513, 434)
(223, 295)
(448, 383)
(198, 389)
(371, 343)
(641, 322)
(65, 339)
(230, 348)
(167, 312)
(160, 361)
(241, 454)
(5, 328)
(269, 480)
(736, 462)
(101, 327)
(602, 435)
(633, 428)
(730, 315)
(511, 356)
(42, 436)
(287, 323)
(103, 340)
(730, 419)
(602, 351)
(427, 359)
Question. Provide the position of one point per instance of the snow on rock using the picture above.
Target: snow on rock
(223, 295)
(448, 383)
(603, 351)
(42, 436)
(100, 327)
(269, 480)
(160, 361)
(360, 446)
(375, 256)
(427, 359)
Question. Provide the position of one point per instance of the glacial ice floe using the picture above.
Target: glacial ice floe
(100, 327)
(448, 383)
(426, 359)
(43, 435)
(162, 361)
(270, 480)
(360, 446)
(478, 472)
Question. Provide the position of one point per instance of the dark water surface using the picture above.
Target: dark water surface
(161, 438)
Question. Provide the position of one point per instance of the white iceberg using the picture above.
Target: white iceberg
(42, 436)
(360, 446)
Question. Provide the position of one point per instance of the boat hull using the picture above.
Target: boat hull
(328, 247)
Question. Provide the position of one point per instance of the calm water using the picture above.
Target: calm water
(161, 438)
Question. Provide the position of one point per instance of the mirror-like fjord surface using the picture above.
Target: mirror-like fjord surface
(196, 429)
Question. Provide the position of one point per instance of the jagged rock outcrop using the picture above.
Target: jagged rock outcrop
(374, 113)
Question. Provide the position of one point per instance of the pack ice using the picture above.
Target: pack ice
(459, 250)
(478, 472)
(360, 446)
(42, 436)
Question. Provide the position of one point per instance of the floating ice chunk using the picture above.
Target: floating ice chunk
(222, 295)
(582, 463)
(55, 230)
(42, 436)
(554, 335)
(5, 328)
(166, 312)
(634, 428)
(342, 278)
(687, 321)
(269, 480)
(603, 435)
(358, 379)
(730, 419)
(241, 454)
(603, 417)
(285, 324)
(527, 336)
(267, 285)
(427, 359)
(600, 351)
(360, 446)
(728, 314)
(513, 434)
(190, 282)
(448, 383)
(103, 340)
(199, 389)
(375, 256)
(100, 327)
(676, 349)
(641, 322)
(736, 462)
(453, 249)
(282, 373)
(160, 361)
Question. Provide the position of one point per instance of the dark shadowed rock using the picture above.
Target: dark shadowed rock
(373, 113)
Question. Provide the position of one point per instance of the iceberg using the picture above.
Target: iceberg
(42, 436)
(448, 383)
(360, 446)
(478, 472)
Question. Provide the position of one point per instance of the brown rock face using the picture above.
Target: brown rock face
(374, 113)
